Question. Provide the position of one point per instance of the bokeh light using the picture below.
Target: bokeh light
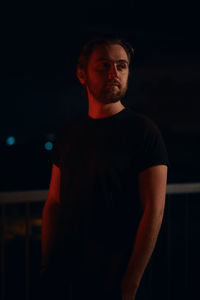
(10, 141)
(48, 146)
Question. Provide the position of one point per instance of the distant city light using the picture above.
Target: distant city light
(10, 141)
(48, 146)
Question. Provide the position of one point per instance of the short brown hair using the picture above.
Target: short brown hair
(89, 47)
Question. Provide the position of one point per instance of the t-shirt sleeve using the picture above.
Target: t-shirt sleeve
(58, 145)
(56, 152)
(153, 148)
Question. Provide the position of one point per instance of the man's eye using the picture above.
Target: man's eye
(103, 66)
(122, 66)
(106, 65)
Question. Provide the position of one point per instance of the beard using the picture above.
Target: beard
(108, 94)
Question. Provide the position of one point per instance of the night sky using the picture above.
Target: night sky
(40, 44)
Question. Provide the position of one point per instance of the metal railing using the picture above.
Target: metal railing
(186, 190)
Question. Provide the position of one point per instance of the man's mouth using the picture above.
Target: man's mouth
(112, 84)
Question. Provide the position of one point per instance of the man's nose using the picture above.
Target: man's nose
(112, 71)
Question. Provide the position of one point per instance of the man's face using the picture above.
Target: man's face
(107, 73)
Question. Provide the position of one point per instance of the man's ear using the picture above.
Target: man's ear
(80, 73)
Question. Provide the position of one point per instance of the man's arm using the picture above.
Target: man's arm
(50, 215)
(152, 188)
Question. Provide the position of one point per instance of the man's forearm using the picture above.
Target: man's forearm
(49, 228)
(143, 247)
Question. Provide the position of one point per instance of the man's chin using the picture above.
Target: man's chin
(111, 97)
(107, 100)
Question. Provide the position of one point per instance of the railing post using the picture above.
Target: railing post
(3, 250)
(186, 244)
(27, 250)
(169, 247)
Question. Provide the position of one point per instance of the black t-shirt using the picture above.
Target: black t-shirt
(100, 160)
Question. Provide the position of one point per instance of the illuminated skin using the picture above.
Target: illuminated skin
(106, 80)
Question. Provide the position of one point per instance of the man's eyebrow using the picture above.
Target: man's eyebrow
(118, 61)
(123, 61)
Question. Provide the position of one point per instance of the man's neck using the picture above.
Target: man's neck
(99, 110)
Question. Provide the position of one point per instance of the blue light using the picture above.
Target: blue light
(10, 141)
(48, 146)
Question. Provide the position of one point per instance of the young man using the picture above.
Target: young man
(107, 191)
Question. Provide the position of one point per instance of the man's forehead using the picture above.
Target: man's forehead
(113, 52)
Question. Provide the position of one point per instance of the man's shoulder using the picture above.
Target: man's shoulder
(140, 120)
(70, 126)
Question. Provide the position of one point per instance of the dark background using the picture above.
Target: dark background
(40, 43)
